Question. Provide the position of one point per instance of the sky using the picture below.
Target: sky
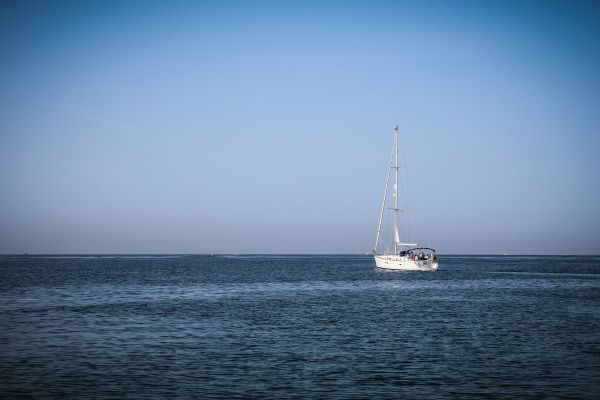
(267, 126)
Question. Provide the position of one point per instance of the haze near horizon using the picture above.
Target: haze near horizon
(266, 127)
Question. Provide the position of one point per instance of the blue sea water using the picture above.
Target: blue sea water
(321, 327)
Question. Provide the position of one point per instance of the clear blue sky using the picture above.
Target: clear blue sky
(265, 127)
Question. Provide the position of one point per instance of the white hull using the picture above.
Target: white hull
(404, 263)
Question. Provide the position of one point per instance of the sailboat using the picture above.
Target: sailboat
(399, 255)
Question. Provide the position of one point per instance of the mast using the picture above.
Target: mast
(396, 236)
(394, 164)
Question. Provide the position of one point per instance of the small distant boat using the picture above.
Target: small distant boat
(396, 254)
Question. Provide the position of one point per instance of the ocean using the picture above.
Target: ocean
(298, 326)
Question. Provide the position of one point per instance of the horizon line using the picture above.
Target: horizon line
(281, 254)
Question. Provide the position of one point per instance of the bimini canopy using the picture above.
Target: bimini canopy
(416, 249)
